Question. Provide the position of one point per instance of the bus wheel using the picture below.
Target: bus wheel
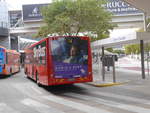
(25, 71)
(19, 69)
(37, 80)
(10, 71)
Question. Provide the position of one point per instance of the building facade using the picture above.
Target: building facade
(124, 15)
(4, 32)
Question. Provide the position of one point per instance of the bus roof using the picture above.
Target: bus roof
(52, 37)
(2, 47)
(13, 51)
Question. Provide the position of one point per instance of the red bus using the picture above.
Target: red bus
(59, 60)
(9, 61)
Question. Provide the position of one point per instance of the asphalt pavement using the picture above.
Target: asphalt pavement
(21, 95)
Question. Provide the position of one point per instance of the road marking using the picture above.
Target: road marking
(75, 105)
(28, 89)
(122, 97)
(36, 90)
(4, 108)
(40, 107)
(131, 108)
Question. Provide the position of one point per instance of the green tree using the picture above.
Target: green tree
(128, 49)
(133, 48)
(71, 17)
(110, 49)
(119, 51)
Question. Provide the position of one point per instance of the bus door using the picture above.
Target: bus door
(2, 61)
(69, 57)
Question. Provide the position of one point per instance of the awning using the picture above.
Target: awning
(143, 5)
(122, 37)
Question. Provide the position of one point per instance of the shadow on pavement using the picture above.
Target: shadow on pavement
(4, 76)
(61, 89)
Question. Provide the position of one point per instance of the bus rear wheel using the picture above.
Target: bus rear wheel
(37, 80)
(10, 71)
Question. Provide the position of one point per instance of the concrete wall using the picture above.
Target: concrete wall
(4, 41)
(4, 32)
(14, 43)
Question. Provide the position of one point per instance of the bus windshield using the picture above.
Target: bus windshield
(70, 57)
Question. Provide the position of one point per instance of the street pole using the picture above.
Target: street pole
(114, 73)
(142, 58)
(9, 41)
(18, 43)
(148, 63)
(145, 29)
(142, 47)
(103, 67)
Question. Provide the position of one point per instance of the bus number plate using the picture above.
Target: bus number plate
(71, 79)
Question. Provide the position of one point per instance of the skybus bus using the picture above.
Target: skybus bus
(9, 61)
(59, 60)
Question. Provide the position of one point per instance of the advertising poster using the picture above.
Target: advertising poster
(70, 57)
(32, 12)
(1, 58)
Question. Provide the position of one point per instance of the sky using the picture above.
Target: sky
(17, 4)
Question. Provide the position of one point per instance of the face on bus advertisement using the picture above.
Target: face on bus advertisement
(70, 57)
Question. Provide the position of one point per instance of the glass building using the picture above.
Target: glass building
(3, 14)
(4, 40)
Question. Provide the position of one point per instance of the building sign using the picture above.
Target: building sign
(14, 16)
(32, 12)
(118, 7)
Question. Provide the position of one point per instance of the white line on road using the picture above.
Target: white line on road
(122, 97)
(36, 90)
(75, 105)
(4, 108)
(40, 107)
(131, 108)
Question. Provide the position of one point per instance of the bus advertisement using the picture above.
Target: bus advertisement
(9, 61)
(59, 60)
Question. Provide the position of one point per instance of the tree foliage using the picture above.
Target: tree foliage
(132, 49)
(110, 49)
(71, 17)
(119, 51)
(135, 48)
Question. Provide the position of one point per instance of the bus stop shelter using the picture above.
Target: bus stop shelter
(131, 37)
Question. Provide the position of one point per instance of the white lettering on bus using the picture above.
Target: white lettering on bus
(40, 52)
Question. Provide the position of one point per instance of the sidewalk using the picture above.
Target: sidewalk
(127, 70)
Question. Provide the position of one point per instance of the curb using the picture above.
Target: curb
(107, 84)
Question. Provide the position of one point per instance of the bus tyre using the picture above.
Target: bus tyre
(37, 80)
(25, 72)
(10, 71)
(19, 69)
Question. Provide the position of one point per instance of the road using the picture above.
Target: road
(21, 95)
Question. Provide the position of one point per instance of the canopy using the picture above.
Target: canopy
(140, 4)
(121, 37)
